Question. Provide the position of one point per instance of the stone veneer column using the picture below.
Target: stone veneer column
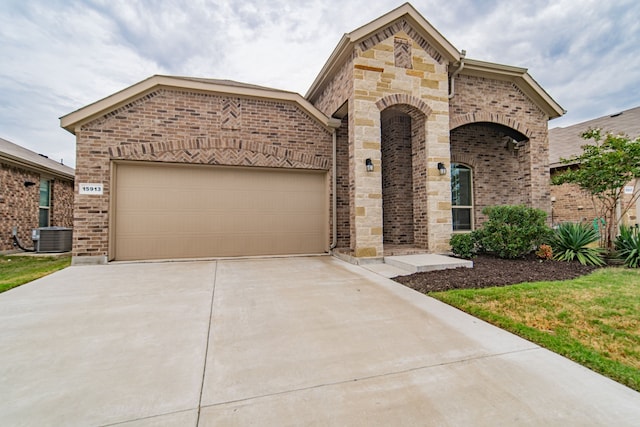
(421, 84)
(438, 186)
(367, 186)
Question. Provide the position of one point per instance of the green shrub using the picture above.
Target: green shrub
(512, 231)
(628, 246)
(571, 242)
(463, 245)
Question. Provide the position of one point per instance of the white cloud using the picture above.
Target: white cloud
(61, 55)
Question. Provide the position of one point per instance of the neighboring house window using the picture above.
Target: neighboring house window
(461, 197)
(45, 203)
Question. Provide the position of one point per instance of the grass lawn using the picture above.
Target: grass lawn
(593, 320)
(18, 270)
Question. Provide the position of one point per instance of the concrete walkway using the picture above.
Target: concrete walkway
(286, 341)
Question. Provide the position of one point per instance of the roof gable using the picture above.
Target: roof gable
(404, 18)
(520, 77)
(90, 112)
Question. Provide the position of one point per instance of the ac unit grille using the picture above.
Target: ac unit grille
(53, 239)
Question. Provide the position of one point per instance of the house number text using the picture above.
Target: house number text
(96, 189)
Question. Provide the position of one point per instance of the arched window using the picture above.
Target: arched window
(461, 197)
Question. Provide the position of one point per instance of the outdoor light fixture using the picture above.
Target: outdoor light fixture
(442, 168)
(29, 183)
(369, 165)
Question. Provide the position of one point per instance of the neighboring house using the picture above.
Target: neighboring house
(363, 164)
(34, 192)
(570, 203)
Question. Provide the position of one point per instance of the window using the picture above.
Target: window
(45, 203)
(461, 197)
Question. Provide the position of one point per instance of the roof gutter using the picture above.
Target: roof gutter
(452, 80)
(23, 163)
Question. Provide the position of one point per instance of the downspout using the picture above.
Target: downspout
(452, 84)
(334, 197)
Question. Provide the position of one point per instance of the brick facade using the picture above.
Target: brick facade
(483, 100)
(190, 128)
(397, 180)
(19, 204)
(389, 84)
(337, 91)
(62, 203)
(342, 186)
(414, 126)
(496, 169)
(571, 204)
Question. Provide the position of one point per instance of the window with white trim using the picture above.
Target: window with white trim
(461, 197)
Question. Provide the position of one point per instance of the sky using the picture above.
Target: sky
(57, 56)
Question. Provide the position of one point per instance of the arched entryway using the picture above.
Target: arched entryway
(498, 159)
(403, 177)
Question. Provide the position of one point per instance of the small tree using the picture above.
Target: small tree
(605, 167)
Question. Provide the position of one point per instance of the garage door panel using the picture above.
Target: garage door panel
(190, 212)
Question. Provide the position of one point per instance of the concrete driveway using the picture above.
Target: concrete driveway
(282, 341)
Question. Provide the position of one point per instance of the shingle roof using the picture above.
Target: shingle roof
(566, 142)
(229, 87)
(32, 160)
(225, 82)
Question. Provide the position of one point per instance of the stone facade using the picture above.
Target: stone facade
(395, 75)
(400, 116)
(389, 84)
(191, 128)
(19, 204)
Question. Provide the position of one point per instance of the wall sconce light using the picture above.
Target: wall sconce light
(29, 183)
(442, 168)
(369, 165)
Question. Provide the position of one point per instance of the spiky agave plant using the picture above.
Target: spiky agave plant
(628, 246)
(571, 242)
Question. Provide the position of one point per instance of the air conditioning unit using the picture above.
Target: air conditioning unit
(52, 239)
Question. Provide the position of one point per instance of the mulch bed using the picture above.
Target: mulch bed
(491, 271)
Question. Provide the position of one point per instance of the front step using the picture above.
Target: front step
(426, 262)
(403, 265)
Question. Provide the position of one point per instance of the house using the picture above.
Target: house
(362, 165)
(570, 203)
(35, 191)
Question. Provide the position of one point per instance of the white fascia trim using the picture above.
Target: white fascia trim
(518, 75)
(71, 121)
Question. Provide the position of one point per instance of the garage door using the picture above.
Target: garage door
(169, 211)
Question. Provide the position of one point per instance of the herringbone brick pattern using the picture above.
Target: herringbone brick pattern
(402, 53)
(179, 126)
(231, 110)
